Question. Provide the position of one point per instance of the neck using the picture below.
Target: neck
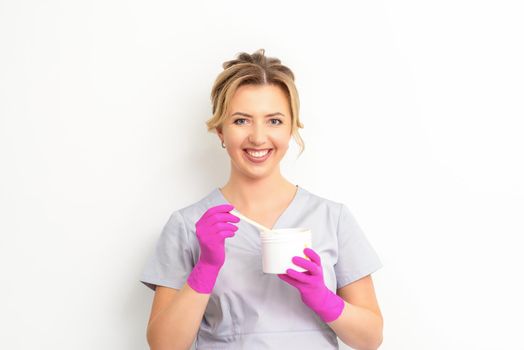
(252, 193)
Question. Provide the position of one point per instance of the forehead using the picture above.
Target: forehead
(254, 97)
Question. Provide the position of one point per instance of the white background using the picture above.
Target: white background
(413, 115)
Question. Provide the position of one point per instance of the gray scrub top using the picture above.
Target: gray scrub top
(249, 309)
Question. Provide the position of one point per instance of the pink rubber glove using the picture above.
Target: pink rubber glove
(313, 291)
(212, 230)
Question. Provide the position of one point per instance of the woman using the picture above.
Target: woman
(206, 270)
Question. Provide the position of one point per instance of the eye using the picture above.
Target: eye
(235, 122)
(279, 121)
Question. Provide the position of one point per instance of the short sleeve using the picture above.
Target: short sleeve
(172, 259)
(356, 256)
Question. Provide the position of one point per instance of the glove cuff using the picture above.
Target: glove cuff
(203, 277)
(331, 308)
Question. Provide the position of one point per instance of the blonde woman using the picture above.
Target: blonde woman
(206, 269)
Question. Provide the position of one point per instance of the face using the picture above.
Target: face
(259, 118)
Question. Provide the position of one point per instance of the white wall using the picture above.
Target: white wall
(413, 117)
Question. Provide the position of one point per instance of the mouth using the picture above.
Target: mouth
(257, 156)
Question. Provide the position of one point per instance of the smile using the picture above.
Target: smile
(259, 156)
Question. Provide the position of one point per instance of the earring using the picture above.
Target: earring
(223, 146)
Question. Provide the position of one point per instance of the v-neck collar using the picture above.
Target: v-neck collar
(282, 215)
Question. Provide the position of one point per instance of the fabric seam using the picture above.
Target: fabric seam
(187, 234)
(324, 330)
(338, 229)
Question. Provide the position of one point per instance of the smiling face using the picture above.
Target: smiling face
(258, 118)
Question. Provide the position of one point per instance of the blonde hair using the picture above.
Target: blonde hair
(255, 69)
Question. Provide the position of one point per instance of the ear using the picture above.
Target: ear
(219, 133)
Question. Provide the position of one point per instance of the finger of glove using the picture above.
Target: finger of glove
(289, 280)
(310, 253)
(222, 208)
(226, 234)
(213, 233)
(299, 276)
(220, 217)
(306, 264)
(223, 226)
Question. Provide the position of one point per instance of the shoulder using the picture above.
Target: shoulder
(183, 219)
(323, 205)
(192, 212)
(321, 201)
(338, 213)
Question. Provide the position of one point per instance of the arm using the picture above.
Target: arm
(360, 324)
(175, 317)
(353, 314)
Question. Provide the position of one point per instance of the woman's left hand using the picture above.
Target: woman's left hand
(313, 291)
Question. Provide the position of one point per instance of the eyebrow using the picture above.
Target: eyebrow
(249, 115)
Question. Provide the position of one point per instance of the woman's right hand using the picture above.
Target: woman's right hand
(211, 230)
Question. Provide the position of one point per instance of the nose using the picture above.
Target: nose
(258, 134)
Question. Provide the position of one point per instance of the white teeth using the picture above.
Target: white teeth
(258, 154)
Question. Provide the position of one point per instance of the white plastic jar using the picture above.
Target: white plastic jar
(279, 246)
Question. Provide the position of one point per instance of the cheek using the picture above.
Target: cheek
(283, 146)
(282, 142)
(235, 140)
